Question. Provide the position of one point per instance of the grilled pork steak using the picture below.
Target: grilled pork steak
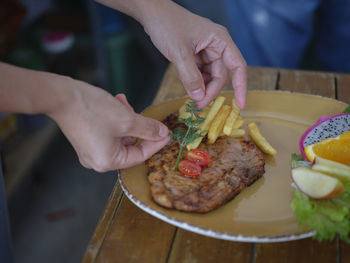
(235, 165)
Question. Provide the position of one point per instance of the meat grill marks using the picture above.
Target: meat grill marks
(235, 165)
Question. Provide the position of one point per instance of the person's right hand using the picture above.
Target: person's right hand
(103, 129)
(201, 50)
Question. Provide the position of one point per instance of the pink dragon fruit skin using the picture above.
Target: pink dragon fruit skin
(325, 127)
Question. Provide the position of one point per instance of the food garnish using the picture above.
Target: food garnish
(199, 157)
(185, 137)
(189, 169)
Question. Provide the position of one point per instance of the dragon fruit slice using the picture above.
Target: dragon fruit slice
(326, 127)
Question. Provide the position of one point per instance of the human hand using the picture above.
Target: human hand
(103, 129)
(201, 50)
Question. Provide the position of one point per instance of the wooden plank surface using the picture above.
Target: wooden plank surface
(135, 236)
(316, 83)
(299, 251)
(103, 225)
(191, 247)
(343, 88)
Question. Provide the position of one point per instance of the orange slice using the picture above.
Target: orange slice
(336, 149)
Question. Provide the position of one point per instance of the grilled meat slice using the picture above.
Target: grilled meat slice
(235, 165)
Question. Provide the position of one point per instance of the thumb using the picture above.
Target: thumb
(147, 128)
(190, 76)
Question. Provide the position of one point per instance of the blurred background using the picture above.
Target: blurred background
(54, 202)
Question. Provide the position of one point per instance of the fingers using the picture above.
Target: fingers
(131, 155)
(218, 78)
(146, 128)
(234, 61)
(190, 76)
(122, 99)
(239, 83)
(129, 140)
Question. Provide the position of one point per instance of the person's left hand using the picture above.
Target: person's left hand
(103, 129)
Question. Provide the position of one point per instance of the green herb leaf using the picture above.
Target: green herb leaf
(347, 109)
(298, 160)
(185, 137)
(327, 218)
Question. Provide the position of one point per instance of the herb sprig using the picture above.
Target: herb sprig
(185, 137)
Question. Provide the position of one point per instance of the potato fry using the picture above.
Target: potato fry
(231, 119)
(236, 133)
(218, 123)
(260, 140)
(203, 127)
(238, 123)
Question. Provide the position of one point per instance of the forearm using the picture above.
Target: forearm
(31, 92)
(140, 10)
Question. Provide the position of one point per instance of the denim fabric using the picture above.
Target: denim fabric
(6, 255)
(276, 32)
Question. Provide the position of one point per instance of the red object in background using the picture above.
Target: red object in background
(59, 215)
(11, 17)
(56, 42)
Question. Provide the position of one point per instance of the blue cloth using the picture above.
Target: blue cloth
(276, 32)
(6, 255)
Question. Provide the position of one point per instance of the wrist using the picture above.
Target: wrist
(59, 94)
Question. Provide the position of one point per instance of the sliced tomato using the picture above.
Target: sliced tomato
(199, 157)
(189, 168)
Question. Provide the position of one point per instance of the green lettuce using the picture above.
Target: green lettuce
(298, 160)
(327, 218)
(347, 110)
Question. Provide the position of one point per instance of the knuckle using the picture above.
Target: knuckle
(222, 29)
(191, 82)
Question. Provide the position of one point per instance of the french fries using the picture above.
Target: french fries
(238, 123)
(204, 126)
(236, 133)
(260, 140)
(231, 119)
(224, 120)
(218, 123)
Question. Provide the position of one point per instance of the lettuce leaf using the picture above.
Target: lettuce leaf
(327, 218)
(298, 160)
(347, 110)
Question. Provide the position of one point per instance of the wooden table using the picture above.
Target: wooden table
(127, 234)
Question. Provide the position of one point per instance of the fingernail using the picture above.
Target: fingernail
(197, 94)
(163, 131)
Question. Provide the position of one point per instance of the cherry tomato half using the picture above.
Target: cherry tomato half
(199, 157)
(189, 168)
